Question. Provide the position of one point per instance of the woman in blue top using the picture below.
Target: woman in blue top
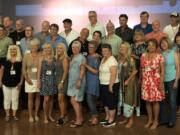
(76, 82)
(92, 85)
(170, 83)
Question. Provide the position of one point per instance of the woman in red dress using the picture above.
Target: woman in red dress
(152, 77)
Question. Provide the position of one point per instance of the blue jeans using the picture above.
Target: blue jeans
(91, 100)
(168, 106)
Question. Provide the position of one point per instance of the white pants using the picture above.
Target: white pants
(11, 97)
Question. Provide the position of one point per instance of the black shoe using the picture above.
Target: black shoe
(103, 121)
(60, 122)
(170, 125)
(107, 124)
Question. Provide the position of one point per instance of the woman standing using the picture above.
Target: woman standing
(152, 85)
(138, 48)
(109, 85)
(92, 84)
(62, 67)
(76, 82)
(11, 80)
(30, 68)
(177, 48)
(47, 80)
(127, 72)
(170, 83)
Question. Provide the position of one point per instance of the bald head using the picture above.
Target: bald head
(45, 26)
(110, 27)
(156, 25)
(84, 33)
(19, 24)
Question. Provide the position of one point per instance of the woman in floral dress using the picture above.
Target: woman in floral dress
(152, 77)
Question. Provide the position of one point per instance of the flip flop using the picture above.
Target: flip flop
(75, 125)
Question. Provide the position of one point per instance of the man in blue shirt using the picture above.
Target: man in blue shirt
(144, 25)
(54, 38)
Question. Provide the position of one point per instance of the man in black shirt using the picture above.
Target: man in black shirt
(83, 40)
(19, 33)
(124, 31)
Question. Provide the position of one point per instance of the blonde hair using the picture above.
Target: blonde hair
(77, 44)
(18, 55)
(139, 32)
(35, 41)
(64, 50)
(48, 45)
(127, 45)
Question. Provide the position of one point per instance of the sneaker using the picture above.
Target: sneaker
(103, 121)
(107, 124)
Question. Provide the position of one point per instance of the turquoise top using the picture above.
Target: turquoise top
(170, 68)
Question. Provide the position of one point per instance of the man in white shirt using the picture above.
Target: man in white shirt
(94, 25)
(173, 27)
(69, 34)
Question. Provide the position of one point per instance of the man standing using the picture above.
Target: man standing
(112, 39)
(144, 25)
(69, 34)
(94, 25)
(8, 24)
(124, 31)
(19, 33)
(173, 27)
(43, 33)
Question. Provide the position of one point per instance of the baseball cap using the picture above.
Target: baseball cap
(174, 14)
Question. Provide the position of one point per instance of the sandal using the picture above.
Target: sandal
(75, 125)
(7, 118)
(15, 118)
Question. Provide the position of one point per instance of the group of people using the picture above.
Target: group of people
(122, 68)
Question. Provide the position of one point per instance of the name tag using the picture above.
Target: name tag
(147, 69)
(12, 72)
(27, 51)
(18, 42)
(48, 72)
(34, 70)
(84, 53)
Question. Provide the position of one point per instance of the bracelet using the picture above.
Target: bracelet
(62, 81)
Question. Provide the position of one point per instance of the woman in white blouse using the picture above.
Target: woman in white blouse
(109, 85)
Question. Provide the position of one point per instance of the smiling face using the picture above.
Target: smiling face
(91, 48)
(92, 17)
(47, 49)
(106, 52)
(96, 37)
(122, 21)
(123, 50)
(28, 31)
(151, 47)
(13, 51)
(178, 40)
(144, 18)
(156, 26)
(60, 50)
(34, 48)
(45, 26)
(53, 31)
(84, 34)
(164, 45)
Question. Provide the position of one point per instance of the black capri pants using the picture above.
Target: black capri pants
(110, 100)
